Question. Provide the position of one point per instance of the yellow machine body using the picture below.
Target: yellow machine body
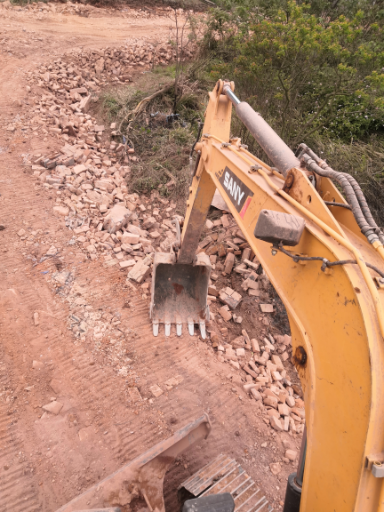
(335, 315)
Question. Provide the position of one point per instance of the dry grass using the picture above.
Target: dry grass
(162, 148)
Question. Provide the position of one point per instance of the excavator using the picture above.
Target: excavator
(311, 229)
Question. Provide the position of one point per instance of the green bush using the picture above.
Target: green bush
(307, 75)
(315, 72)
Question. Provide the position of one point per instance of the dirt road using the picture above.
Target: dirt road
(46, 459)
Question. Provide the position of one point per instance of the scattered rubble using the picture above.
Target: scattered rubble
(89, 177)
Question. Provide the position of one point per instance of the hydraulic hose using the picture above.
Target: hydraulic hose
(363, 204)
(349, 191)
(356, 187)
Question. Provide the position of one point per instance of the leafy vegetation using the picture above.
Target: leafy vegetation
(315, 72)
(310, 75)
(162, 145)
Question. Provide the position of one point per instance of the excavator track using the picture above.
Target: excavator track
(222, 475)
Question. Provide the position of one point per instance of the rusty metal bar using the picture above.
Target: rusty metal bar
(141, 480)
(276, 149)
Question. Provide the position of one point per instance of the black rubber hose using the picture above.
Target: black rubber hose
(349, 191)
(355, 185)
(363, 203)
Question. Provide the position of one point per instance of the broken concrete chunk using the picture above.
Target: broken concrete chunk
(117, 218)
(173, 381)
(275, 467)
(127, 263)
(134, 394)
(36, 318)
(52, 251)
(283, 409)
(229, 263)
(139, 272)
(225, 313)
(256, 394)
(37, 365)
(149, 223)
(79, 168)
(277, 361)
(276, 423)
(53, 407)
(230, 297)
(86, 432)
(291, 455)
(130, 239)
(156, 390)
(290, 401)
(61, 210)
(271, 401)
(255, 345)
(84, 104)
(266, 308)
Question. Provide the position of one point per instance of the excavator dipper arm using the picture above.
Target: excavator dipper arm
(334, 301)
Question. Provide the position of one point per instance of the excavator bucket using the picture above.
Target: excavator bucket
(179, 293)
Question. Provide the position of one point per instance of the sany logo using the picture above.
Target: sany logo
(238, 192)
(232, 187)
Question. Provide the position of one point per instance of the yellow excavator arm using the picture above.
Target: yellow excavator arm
(324, 257)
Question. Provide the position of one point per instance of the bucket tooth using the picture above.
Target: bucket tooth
(179, 325)
(155, 327)
(191, 328)
(167, 329)
(202, 329)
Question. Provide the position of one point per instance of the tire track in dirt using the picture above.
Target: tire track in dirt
(52, 459)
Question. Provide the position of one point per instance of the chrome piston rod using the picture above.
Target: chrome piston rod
(279, 153)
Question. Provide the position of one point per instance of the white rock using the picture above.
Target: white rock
(80, 168)
(61, 210)
(139, 272)
(127, 263)
(52, 251)
(117, 218)
(53, 407)
(156, 391)
(129, 238)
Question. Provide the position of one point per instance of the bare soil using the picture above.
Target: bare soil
(44, 461)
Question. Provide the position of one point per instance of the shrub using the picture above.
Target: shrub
(310, 75)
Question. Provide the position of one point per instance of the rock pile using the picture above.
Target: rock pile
(90, 176)
(42, 9)
(261, 365)
(87, 68)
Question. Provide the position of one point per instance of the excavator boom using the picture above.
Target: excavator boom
(324, 257)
